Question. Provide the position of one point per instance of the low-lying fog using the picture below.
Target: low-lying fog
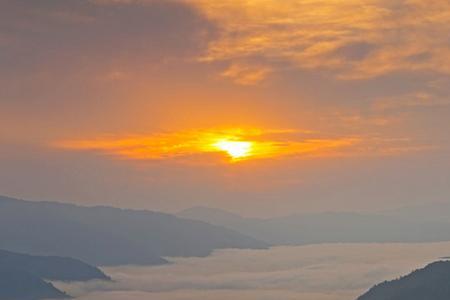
(319, 272)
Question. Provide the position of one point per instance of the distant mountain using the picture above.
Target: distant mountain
(50, 267)
(212, 215)
(329, 227)
(430, 212)
(109, 236)
(21, 285)
(429, 283)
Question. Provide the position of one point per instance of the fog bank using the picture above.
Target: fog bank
(319, 272)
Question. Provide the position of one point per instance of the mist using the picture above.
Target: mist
(319, 272)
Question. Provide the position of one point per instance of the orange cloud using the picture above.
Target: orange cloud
(236, 144)
(410, 101)
(246, 74)
(353, 38)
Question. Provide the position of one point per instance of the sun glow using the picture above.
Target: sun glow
(235, 149)
(237, 145)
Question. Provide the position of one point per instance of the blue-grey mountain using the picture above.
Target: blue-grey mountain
(50, 267)
(109, 236)
(340, 227)
(21, 285)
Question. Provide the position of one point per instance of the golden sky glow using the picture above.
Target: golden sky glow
(236, 149)
(353, 38)
(236, 144)
(179, 100)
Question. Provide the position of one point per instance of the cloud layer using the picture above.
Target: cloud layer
(263, 144)
(319, 272)
(353, 39)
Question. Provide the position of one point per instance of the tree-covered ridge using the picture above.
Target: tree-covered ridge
(429, 283)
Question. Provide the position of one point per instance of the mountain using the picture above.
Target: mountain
(213, 215)
(21, 285)
(22, 276)
(109, 236)
(329, 227)
(50, 267)
(432, 212)
(429, 283)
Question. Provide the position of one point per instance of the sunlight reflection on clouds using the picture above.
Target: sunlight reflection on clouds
(354, 39)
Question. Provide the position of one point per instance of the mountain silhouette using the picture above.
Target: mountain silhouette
(21, 285)
(331, 227)
(429, 283)
(50, 267)
(109, 236)
(22, 276)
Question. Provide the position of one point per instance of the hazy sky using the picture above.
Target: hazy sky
(339, 105)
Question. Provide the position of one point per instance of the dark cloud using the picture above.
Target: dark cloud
(52, 44)
(80, 29)
(355, 51)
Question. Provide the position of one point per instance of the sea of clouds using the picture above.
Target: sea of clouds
(317, 272)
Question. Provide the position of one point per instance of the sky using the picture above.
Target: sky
(260, 107)
(292, 273)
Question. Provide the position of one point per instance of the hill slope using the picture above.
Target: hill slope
(21, 285)
(109, 236)
(50, 267)
(429, 283)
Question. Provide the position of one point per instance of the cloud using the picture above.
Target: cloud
(246, 74)
(352, 39)
(411, 101)
(202, 146)
(320, 272)
(190, 143)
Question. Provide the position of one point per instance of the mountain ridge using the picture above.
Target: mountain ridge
(328, 227)
(23, 276)
(51, 267)
(21, 285)
(102, 235)
(429, 283)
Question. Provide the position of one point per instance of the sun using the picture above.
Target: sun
(235, 149)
